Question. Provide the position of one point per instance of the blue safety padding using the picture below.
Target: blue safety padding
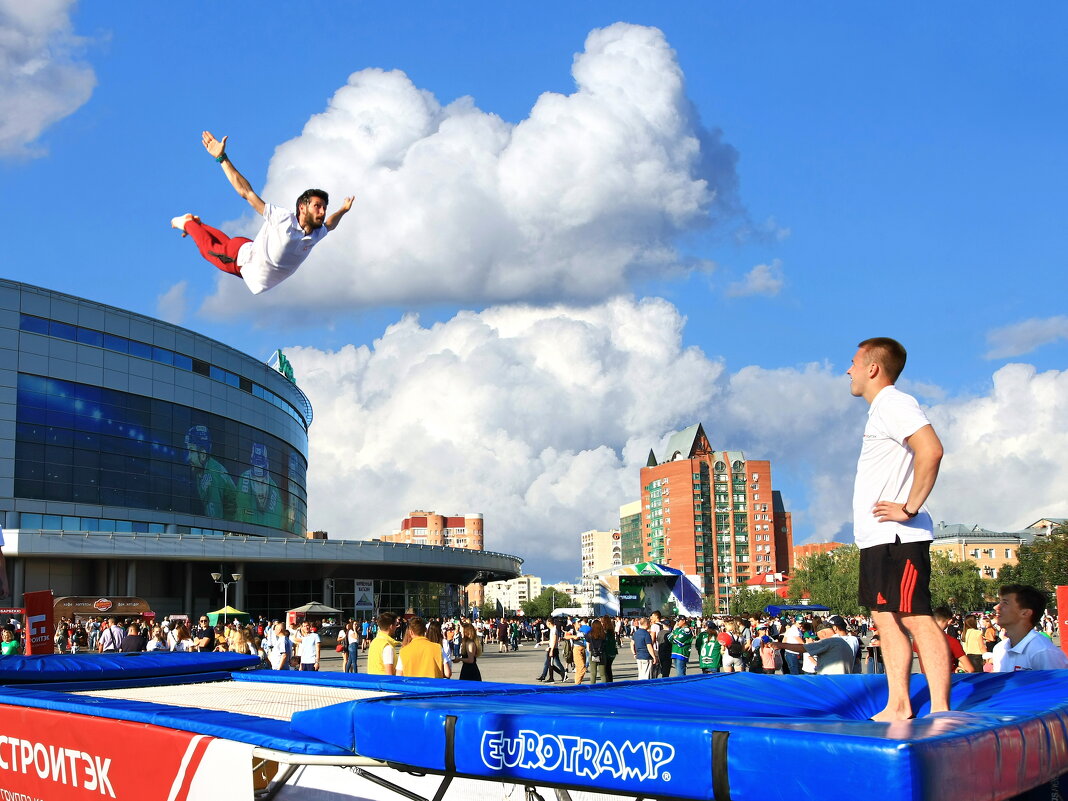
(366, 681)
(263, 732)
(657, 738)
(17, 669)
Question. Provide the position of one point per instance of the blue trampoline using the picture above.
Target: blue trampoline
(723, 737)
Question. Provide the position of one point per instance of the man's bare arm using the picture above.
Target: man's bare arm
(927, 457)
(335, 218)
(217, 149)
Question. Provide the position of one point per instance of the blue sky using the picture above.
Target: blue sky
(896, 172)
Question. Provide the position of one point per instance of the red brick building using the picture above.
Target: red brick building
(803, 552)
(452, 531)
(713, 514)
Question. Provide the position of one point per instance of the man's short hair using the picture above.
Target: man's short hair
(417, 626)
(308, 194)
(386, 620)
(1028, 597)
(887, 353)
(942, 613)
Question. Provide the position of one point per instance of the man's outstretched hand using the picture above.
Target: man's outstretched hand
(213, 145)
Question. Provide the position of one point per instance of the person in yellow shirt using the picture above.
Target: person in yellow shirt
(420, 657)
(382, 653)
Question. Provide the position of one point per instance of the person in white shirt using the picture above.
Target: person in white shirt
(1019, 611)
(898, 465)
(283, 242)
(309, 647)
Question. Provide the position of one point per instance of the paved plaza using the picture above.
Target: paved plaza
(516, 667)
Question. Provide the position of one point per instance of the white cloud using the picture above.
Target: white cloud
(41, 79)
(1024, 337)
(540, 418)
(171, 305)
(764, 279)
(456, 205)
(1004, 465)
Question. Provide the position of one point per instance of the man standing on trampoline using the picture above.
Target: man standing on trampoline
(283, 242)
(898, 465)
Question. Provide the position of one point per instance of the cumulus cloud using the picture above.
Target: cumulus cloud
(1020, 338)
(764, 279)
(540, 418)
(455, 204)
(171, 305)
(41, 78)
(1004, 466)
(536, 417)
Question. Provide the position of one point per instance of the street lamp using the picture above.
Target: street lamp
(218, 579)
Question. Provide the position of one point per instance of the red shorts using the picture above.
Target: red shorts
(896, 578)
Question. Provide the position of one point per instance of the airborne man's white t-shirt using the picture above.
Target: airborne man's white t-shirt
(279, 248)
(884, 471)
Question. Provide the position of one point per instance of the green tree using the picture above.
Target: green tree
(748, 602)
(543, 605)
(1042, 564)
(958, 585)
(487, 611)
(829, 579)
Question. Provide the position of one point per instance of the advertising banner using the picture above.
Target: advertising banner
(365, 596)
(40, 625)
(63, 757)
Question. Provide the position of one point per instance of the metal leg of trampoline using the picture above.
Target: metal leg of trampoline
(275, 786)
(387, 784)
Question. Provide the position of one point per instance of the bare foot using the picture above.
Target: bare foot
(179, 222)
(892, 715)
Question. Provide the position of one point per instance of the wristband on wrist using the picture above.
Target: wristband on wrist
(222, 157)
(908, 514)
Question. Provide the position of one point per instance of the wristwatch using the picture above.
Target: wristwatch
(908, 514)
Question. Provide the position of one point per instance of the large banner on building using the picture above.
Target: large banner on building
(40, 625)
(60, 757)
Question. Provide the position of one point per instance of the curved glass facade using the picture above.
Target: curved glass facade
(92, 445)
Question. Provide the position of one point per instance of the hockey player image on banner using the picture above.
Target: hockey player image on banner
(259, 501)
(213, 483)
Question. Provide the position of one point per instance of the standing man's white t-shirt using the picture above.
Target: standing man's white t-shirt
(885, 470)
(279, 248)
(308, 643)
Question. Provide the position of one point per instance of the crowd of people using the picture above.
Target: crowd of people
(1017, 635)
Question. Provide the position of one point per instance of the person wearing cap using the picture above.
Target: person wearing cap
(216, 489)
(834, 656)
(258, 500)
(681, 639)
(900, 456)
(841, 629)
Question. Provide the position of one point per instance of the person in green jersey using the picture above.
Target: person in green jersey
(709, 650)
(259, 501)
(681, 639)
(216, 489)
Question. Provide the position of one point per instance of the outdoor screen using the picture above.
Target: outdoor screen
(91, 445)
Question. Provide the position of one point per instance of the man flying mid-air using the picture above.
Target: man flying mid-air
(283, 242)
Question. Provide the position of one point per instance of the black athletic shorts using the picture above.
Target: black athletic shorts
(896, 578)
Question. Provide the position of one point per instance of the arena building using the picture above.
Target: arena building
(137, 458)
